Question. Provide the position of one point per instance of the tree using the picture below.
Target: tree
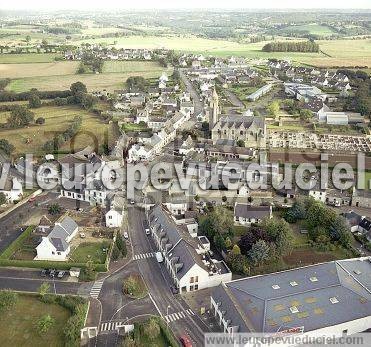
(87, 101)
(259, 252)
(238, 263)
(34, 101)
(7, 299)
(28, 38)
(222, 219)
(54, 209)
(253, 235)
(128, 342)
(20, 117)
(40, 120)
(274, 108)
(136, 84)
(3, 198)
(305, 114)
(236, 250)
(6, 147)
(45, 323)
(78, 87)
(279, 231)
(44, 289)
(240, 143)
(152, 329)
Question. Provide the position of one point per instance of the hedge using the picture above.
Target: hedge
(168, 335)
(16, 244)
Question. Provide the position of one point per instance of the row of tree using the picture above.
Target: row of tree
(288, 46)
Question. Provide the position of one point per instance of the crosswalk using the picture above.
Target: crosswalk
(178, 315)
(143, 256)
(96, 288)
(109, 326)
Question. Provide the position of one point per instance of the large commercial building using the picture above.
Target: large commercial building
(329, 298)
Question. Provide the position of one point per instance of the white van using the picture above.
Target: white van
(159, 257)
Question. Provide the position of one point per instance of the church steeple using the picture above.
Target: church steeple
(214, 109)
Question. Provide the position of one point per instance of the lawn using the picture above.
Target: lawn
(17, 326)
(134, 127)
(27, 58)
(94, 251)
(32, 138)
(56, 68)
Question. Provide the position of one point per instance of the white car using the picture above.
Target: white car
(126, 235)
(159, 257)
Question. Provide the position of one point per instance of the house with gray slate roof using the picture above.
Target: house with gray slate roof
(246, 214)
(55, 246)
(187, 256)
(329, 298)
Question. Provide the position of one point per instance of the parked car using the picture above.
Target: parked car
(146, 227)
(61, 274)
(44, 273)
(159, 257)
(52, 272)
(185, 341)
(126, 235)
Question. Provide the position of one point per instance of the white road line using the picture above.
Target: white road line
(190, 312)
(96, 288)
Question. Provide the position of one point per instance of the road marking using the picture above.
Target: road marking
(178, 315)
(96, 288)
(109, 326)
(143, 256)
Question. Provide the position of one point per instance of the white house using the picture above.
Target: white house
(114, 218)
(187, 259)
(246, 214)
(55, 246)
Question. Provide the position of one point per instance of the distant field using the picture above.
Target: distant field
(342, 52)
(32, 138)
(131, 66)
(313, 29)
(27, 58)
(56, 68)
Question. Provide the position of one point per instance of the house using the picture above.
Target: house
(187, 257)
(114, 215)
(330, 298)
(361, 198)
(55, 246)
(12, 189)
(187, 146)
(246, 214)
(260, 92)
(247, 128)
(177, 204)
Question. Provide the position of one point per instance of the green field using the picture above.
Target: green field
(342, 52)
(114, 75)
(17, 326)
(57, 68)
(32, 138)
(27, 58)
(313, 29)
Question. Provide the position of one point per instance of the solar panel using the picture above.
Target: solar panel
(279, 307)
(286, 319)
(318, 311)
(310, 300)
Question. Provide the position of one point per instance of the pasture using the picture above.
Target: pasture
(27, 58)
(57, 119)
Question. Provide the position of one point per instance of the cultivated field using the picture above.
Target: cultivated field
(56, 68)
(313, 29)
(114, 76)
(32, 138)
(27, 58)
(342, 52)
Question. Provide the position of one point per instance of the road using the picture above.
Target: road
(158, 281)
(194, 93)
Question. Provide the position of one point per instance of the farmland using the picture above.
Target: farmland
(32, 138)
(113, 77)
(27, 58)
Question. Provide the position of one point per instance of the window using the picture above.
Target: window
(190, 288)
(196, 286)
(109, 217)
(313, 279)
(53, 252)
(191, 280)
(293, 283)
(294, 309)
(276, 286)
(196, 279)
(334, 300)
(59, 253)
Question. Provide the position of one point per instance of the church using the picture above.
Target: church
(246, 127)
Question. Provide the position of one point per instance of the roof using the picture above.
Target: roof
(60, 233)
(325, 295)
(249, 211)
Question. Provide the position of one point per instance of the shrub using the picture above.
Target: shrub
(7, 299)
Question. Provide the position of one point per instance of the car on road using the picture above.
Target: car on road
(185, 341)
(126, 235)
(52, 272)
(159, 257)
(61, 274)
(146, 227)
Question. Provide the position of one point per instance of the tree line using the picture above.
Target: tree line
(302, 46)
